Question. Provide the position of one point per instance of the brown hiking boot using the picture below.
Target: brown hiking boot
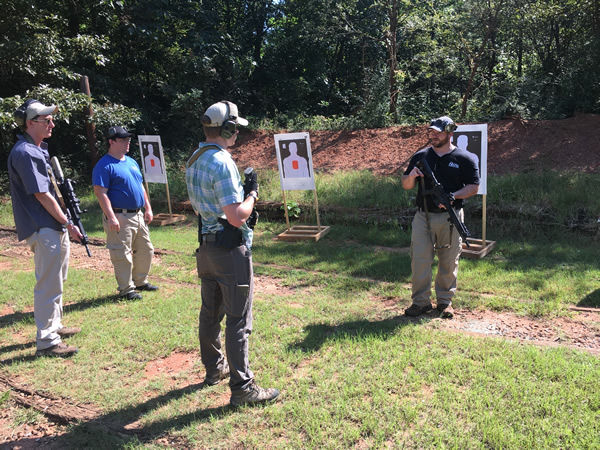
(61, 349)
(215, 378)
(68, 331)
(414, 310)
(253, 395)
(446, 311)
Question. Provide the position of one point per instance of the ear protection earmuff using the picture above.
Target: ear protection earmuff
(229, 126)
(21, 112)
(450, 128)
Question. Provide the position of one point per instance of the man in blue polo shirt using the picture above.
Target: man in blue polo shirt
(224, 258)
(119, 187)
(42, 222)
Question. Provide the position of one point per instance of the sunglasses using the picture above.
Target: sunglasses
(46, 121)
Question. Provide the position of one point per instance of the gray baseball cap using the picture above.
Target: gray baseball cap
(33, 108)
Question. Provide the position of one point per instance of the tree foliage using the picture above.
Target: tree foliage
(155, 65)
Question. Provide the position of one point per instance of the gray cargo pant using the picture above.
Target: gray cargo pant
(227, 288)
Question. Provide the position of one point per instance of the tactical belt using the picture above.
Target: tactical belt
(436, 210)
(126, 211)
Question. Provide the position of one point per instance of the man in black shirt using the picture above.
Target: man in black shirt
(457, 170)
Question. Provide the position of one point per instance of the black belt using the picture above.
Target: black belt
(433, 210)
(126, 211)
(209, 238)
(437, 210)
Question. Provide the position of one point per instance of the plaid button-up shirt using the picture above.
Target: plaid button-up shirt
(213, 182)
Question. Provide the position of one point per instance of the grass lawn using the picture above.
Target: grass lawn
(352, 371)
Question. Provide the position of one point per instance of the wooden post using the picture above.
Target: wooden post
(168, 197)
(90, 128)
(287, 218)
(317, 209)
(483, 218)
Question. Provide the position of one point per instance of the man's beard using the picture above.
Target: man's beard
(442, 142)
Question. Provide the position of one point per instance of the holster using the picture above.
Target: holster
(229, 237)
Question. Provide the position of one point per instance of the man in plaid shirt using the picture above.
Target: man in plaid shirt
(224, 258)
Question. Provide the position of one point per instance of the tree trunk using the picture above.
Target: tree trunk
(393, 59)
(90, 128)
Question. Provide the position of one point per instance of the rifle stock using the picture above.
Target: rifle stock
(441, 197)
(71, 202)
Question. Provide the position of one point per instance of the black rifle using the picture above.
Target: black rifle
(440, 197)
(249, 182)
(70, 200)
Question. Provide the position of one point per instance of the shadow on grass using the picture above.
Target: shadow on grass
(592, 299)
(10, 319)
(319, 334)
(118, 428)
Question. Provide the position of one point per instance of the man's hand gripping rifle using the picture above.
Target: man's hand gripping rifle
(251, 184)
(70, 200)
(440, 197)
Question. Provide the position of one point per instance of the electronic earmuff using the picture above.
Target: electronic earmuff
(446, 122)
(450, 128)
(229, 126)
(21, 112)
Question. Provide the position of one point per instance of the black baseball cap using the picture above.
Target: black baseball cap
(118, 132)
(443, 123)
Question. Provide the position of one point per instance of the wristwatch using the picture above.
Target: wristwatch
(254, 196)
(67, 223)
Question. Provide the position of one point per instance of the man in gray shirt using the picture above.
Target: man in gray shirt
(41, 221)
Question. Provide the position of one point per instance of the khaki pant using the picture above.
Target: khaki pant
(448, 247)
(51, 257)
(130, 250)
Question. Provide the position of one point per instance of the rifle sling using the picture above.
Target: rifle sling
(199, 152)
(61, 200)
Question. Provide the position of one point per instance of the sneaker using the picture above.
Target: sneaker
(253, 395)
(60, 349)
(446, 311)
(68, 331)
(147, 287)
(131, 296)
(416, 310)
(215, 378)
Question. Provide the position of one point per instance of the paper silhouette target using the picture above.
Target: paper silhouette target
(294, 160)
(153, 163)
(474, 139)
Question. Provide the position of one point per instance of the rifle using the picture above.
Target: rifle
(70, 201)
(440, 197)
(249, 181)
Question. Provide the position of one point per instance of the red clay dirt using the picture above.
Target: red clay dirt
(514, 145)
